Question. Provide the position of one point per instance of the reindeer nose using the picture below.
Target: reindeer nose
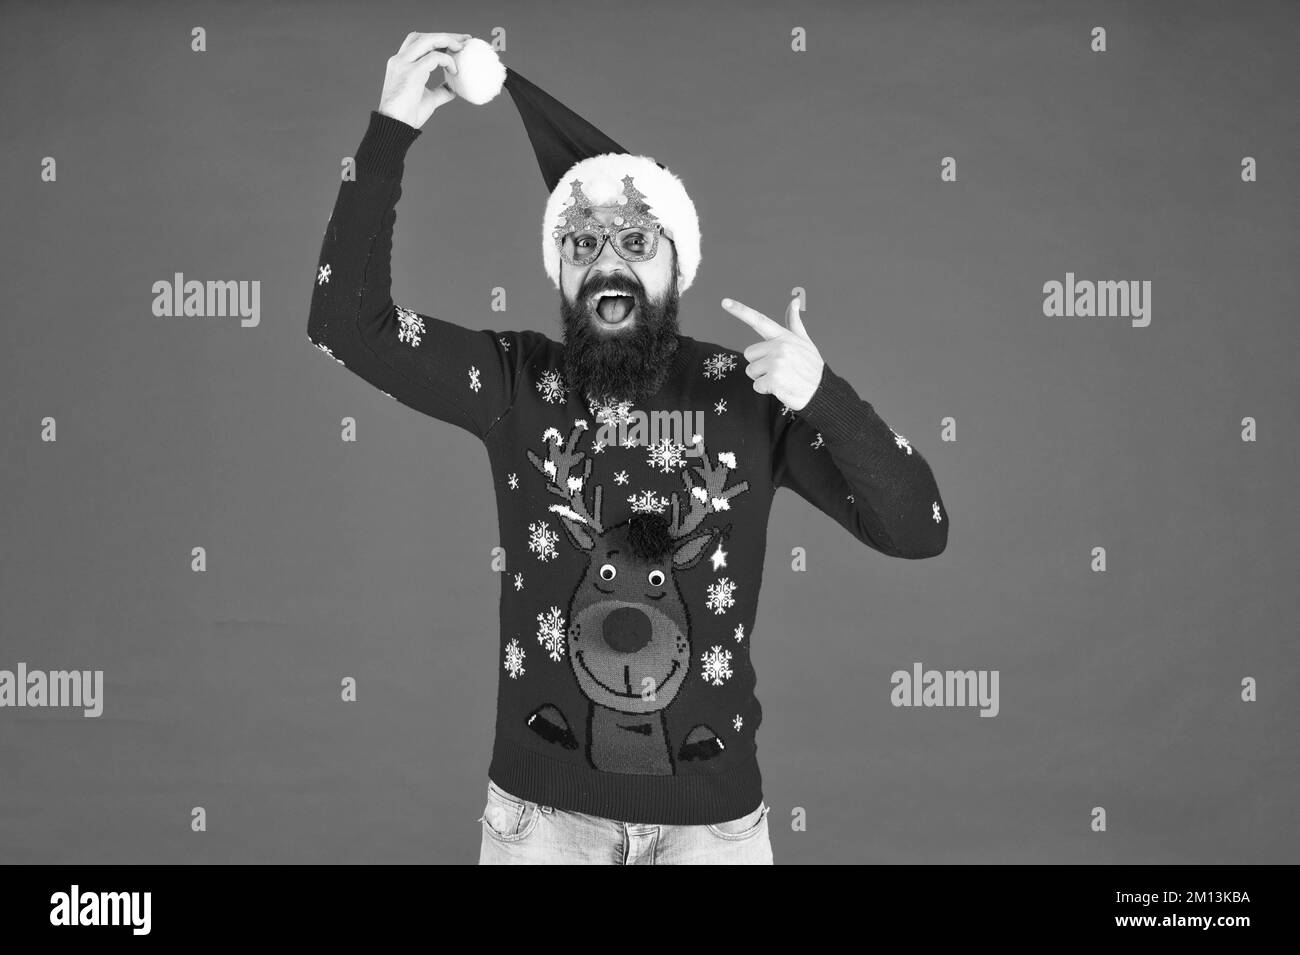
(626, 629)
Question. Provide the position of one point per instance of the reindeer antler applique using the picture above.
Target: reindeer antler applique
(582, 523)
(708, 496)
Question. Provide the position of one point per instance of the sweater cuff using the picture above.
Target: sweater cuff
(836, 410)
(383, 148)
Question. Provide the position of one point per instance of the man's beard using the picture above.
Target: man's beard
(627, 364)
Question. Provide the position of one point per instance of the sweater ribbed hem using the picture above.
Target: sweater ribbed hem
(383, 148)
(836, 410)
(681, 800)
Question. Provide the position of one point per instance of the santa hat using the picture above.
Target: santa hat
(570, 149)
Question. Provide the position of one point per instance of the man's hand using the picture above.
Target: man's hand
(405, 96)
(786, 363)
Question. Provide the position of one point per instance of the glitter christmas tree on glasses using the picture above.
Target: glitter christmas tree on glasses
(635, 231)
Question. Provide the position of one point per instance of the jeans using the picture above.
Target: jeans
(520, 832)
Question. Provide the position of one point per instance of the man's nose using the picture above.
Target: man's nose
(609, 261)
(616, 276)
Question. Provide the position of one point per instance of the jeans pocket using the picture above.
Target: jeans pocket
(506, 817)
(744, 827)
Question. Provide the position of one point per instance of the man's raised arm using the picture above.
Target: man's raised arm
(464, 377)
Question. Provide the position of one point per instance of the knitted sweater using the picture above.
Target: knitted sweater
(634, 533)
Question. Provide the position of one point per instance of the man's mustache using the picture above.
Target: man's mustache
(605, 285)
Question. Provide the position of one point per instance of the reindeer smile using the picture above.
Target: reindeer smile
(664, 682)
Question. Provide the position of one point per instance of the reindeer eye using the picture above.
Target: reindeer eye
(657, 578)
(607, 572)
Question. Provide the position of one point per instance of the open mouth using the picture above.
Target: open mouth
(613, 308)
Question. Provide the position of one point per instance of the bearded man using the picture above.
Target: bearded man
(634, 469)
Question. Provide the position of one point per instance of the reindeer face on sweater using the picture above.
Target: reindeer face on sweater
(629, 636)
(629, 630)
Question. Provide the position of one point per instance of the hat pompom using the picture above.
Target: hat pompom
(480, 72)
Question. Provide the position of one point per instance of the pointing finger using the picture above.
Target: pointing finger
(753, 318)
